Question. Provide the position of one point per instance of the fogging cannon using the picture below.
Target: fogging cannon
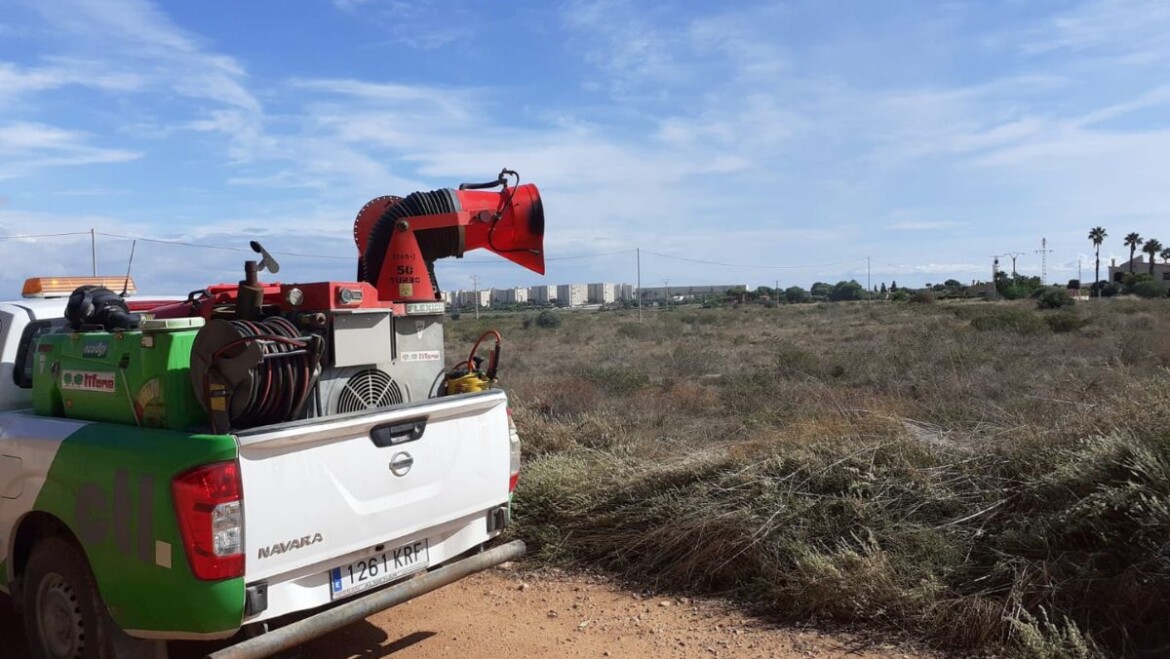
(399, 239)
(272, 352)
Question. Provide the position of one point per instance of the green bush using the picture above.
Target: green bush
(1054, 298)
(796, 295)
(634, 331)
(899, 296)
(1149, 289)
(548, 319)
(1013, 293)
(617, 381)
(1064, 321)
(1006, 319)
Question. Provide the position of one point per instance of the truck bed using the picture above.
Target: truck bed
(333, 507)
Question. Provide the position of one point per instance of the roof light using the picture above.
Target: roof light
(63, 286)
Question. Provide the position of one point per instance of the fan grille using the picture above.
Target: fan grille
(366, 390)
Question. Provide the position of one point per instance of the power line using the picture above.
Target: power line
(45, 235)
(547, 258)
(225, 248)
(750, 266)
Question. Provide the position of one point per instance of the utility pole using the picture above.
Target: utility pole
(1014, 256)
(776, 292)
(475, 283)
(639, 251)
(868, 283)
(667, 283)
(994, 276)
(93, 249)
(1043, 251)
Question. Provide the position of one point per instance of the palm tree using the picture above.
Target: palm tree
(1165, 255)
(1152, 248)
(1097, 235)
(1132, 241)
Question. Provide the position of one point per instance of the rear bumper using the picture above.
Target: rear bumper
(366, 605)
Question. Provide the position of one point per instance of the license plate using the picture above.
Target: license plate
(377, 568)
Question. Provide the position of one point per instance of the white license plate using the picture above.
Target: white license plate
(377, 568)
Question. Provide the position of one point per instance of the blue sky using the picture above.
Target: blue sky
(790, 139)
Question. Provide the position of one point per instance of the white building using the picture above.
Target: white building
(625, 292)
(543, 293)
(468, 298)
(573, 295)
(510, 295)
(447, 297)
(601, 293)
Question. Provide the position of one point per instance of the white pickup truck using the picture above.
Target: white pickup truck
(115, 537)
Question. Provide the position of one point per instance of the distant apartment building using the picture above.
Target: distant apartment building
(685, 292)
(573, 295)
(601, 293)
(447, 297)
(624, 292)
(542, 294)
(469, 298)
(510, 295)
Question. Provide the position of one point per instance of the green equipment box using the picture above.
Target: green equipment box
(139, 377)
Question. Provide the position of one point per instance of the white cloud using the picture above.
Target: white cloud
(1131, 30)
(26, 146)
(923, 226)
(421, 24)
(121, 35)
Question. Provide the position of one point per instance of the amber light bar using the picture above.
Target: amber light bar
(63, 286)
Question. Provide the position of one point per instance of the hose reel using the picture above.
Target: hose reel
(249, 373)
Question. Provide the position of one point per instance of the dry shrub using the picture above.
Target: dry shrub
(693, 398)
(562, 397)
(1004, 489)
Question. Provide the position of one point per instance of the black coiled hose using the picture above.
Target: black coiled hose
(283, 380)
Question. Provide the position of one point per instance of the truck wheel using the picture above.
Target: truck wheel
(64, 616)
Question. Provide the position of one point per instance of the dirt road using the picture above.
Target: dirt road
(506, 613)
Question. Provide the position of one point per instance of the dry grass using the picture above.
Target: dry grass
(974, 473)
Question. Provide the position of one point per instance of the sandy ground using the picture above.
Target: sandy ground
(511, 613)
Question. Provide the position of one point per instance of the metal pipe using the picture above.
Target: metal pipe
(333, 619)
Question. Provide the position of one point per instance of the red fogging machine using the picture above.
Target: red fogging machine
(399, 239)
(271, 352)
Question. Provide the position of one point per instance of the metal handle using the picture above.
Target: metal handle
(401, 432)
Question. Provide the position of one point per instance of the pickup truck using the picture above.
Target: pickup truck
(115, 537)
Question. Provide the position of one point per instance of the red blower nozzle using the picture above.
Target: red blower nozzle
(519, 233)
(399, 239)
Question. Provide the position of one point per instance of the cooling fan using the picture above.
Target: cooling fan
(359, 389)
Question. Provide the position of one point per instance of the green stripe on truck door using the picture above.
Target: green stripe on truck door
(111, 485)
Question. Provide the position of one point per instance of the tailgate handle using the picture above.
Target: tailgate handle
(401, 432)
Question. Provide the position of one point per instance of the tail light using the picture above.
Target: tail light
(209, 506)
(514, 453)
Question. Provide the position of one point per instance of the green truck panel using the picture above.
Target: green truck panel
(112, 486)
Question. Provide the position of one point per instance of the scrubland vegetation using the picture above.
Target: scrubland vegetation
(983, 475)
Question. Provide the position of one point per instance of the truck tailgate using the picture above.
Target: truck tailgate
(315, 491)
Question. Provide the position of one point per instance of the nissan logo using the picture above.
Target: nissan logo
(401, 463)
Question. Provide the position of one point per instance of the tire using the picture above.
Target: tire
(64, 616)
